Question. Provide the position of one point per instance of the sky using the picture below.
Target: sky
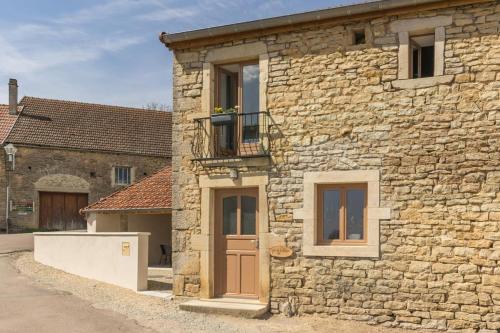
(108, 51)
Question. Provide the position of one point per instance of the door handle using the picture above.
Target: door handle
(256, 242)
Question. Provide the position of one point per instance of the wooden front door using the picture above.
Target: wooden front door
(236, 242)
(60, 211)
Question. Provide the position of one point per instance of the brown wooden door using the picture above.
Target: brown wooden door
(236, 243)
(60, 211)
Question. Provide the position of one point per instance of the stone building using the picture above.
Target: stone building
(69, 154)
(359, 176)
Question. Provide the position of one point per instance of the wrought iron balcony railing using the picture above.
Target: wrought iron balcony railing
(231, 136)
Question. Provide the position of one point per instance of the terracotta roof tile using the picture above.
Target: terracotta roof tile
(65, 124)
(153, 192)
(6, 122)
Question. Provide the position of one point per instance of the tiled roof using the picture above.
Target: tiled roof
(153, 192)
(75, 125)
(6, 122)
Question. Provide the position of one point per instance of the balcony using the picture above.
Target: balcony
(233, 136)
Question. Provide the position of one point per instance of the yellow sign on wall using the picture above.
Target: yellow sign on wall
(126, 249)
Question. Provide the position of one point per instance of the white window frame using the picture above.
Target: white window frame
(115, 178)
(375, 213)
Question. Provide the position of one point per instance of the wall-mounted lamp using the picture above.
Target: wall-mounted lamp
(10, 150)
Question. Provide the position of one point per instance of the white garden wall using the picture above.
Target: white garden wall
(100, 256)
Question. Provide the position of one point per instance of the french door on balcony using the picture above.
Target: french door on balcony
(237, 87)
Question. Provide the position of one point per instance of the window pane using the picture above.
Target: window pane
(331, 207)
(225, 140)
(122, 176)
(227, 89)
(229, 206)
(414, 61)
(248, 211)
(427, 61)
(127, 175)
(354, 214)
(359, 37)
(250, 127)
(250, 102)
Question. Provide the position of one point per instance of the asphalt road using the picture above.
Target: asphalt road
(27, 308)
(16, 242)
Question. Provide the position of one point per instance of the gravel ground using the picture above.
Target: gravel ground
(165, 316)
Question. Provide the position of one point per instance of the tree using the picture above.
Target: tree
(157, 106)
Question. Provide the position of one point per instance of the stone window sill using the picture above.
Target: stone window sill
(424, 82)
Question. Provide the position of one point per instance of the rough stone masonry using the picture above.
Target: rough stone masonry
(437, 149)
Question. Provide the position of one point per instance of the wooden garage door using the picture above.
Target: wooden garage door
(59, 211)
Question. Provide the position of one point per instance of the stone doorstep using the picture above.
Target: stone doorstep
(159, 271)
(165, 294)
(237, 307)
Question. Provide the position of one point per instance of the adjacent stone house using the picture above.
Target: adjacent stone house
(64, 155)
(351, 167)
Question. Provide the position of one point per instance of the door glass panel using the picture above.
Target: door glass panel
(250, 107)
(229, 206)
(355, 203)
(248, 211)
(331, 210)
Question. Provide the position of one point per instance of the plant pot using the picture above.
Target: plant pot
(220, 119)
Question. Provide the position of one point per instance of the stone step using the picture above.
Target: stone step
(227, 306)
(164, 294)
(159, 271)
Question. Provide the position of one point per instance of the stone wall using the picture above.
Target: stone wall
(64, 171)
(437, 149)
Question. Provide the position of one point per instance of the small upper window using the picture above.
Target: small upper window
(422, 56)
(359, 37)
(341, 214)
(123, 176)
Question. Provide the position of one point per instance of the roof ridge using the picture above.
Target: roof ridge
(90, 104)
(125, 188)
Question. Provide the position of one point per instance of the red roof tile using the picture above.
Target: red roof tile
(75, 125)
(6, 122)
(153, 192)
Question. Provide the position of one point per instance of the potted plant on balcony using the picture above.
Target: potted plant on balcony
(222, 117)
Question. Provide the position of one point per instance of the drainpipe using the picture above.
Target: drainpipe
(7, 207)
